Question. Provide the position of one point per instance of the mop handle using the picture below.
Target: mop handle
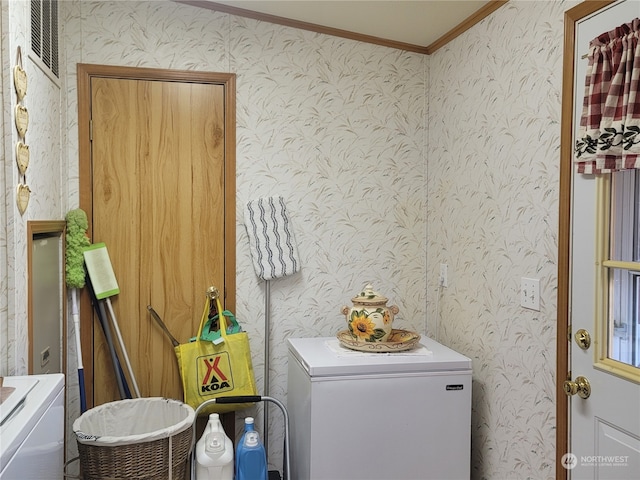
(124, 350)
(267, 336)
(102, 315)
(164, 328)
(76, 322)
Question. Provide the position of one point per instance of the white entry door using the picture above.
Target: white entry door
(604, 426)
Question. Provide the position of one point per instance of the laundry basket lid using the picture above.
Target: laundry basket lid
(138, 420)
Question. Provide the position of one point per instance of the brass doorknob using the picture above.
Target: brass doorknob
(581, 386)
(583, 339)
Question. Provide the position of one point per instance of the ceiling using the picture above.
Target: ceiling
(417, 23)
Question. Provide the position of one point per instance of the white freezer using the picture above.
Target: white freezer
(377, 416)
(32, 428)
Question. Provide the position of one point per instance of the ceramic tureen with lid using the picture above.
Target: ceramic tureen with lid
(370, 319)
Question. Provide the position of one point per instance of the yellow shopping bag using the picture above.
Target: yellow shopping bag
(216, 369)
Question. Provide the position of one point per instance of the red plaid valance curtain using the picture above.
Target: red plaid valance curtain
(609, 135)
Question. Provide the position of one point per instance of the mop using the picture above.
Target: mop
(101, 312)
(274, 253)
(76, 241)
(105, 285)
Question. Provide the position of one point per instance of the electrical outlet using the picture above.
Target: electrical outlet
(530, 293)
(444, 275)
(44, 356)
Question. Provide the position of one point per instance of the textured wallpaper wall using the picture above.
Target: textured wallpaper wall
(43, 177)
(494, 136)
(335, 126)
(339, 129)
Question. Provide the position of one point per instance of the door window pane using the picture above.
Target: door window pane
(625, 215)
(624, 323)
(624, 278)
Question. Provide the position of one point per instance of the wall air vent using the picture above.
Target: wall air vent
(44, 33)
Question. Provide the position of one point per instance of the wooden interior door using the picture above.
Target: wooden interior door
(159, 191)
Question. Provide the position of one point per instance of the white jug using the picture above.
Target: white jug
(214, 452)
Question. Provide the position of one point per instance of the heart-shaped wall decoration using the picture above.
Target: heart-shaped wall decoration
(24, 193)
(22, 157)
(22, 120)
(20, 81)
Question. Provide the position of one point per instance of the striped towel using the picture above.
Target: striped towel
(273, 246)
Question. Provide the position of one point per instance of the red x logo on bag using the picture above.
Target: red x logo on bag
(214, 374)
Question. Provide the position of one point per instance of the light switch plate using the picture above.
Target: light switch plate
(530, 293)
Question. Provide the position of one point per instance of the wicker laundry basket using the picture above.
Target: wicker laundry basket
(142, 438)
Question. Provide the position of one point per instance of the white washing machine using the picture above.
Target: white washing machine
(378, 416)
(32, 428)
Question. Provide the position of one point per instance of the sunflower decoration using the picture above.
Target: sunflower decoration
(363, 328)
(385, 316)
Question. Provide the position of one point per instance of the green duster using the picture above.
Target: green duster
(76, 238)
(76, 241)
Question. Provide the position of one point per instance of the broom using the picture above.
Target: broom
(76, 241)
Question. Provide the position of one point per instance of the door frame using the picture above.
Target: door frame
(85, 72)
(563, 333)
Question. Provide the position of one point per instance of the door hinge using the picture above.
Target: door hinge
(91, 130)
